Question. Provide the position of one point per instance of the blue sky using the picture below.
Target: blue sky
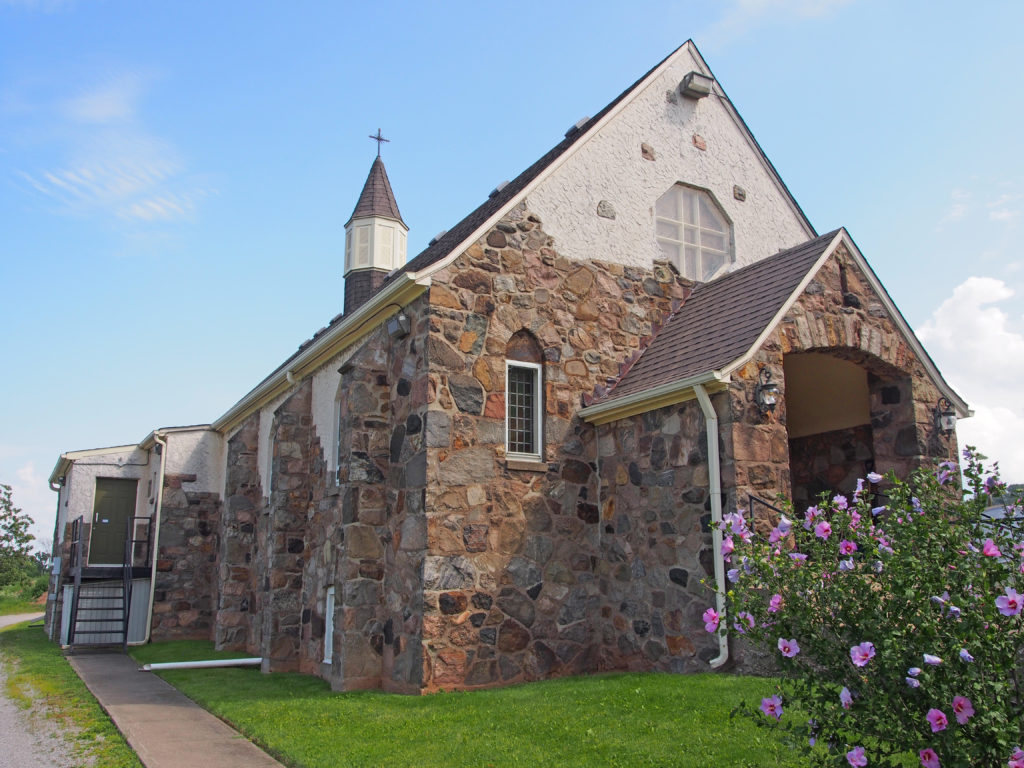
(175, 176)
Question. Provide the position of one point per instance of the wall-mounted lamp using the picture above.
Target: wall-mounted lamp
(696, 85)
(945, 416)
(399, 326)
(767, 393)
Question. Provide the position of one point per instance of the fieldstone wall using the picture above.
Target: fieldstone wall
(655, 546)
(838, 314)
(187, 586)
(829, 462)
(237, 626)
(361, 530)
(282, 530)
(512, 583)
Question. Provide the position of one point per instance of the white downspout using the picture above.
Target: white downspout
(715, 488)
(155, 548)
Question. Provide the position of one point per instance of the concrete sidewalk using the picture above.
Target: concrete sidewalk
(164, 727)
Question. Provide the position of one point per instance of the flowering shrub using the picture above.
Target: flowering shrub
(896, 621)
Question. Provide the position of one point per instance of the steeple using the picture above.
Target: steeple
(375, 236)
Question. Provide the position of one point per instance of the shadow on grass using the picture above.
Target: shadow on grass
(611, 720)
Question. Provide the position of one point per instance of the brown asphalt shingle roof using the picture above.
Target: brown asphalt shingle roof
(721, 320)
(377, 199)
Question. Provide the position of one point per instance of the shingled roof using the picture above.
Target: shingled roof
(447, 243)
(377, 199)
(721, 320)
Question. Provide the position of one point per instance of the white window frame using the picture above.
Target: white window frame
(329, 626)
(538, 416)
(728, 254)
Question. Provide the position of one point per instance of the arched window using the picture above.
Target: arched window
(693, 232)
(524, 399)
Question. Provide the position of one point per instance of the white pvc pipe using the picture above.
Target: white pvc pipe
(154, 550)
(715, 488)
(248, 662)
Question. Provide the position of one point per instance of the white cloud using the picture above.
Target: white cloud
(110, 102)
(113, 166)
(1003, 214)
(982, 355)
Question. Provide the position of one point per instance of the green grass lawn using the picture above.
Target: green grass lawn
(38, 672)
(612, 720)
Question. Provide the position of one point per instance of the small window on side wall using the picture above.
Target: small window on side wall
(524, 399)
(693, 232)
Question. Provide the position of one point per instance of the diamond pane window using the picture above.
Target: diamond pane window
(692, 232)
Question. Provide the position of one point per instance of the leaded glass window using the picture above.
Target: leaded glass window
(523, 409)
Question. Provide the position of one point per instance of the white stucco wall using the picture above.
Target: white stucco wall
(266, 450)
(78, 495)
(609, 166)
(198, 452)
(325, 398)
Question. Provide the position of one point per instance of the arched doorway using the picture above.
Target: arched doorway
(845, 416)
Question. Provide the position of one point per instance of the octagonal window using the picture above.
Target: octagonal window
(693, 232)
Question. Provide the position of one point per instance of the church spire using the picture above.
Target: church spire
(375, 236)
(377, 198)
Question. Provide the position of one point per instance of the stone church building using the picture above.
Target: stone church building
(502, 461)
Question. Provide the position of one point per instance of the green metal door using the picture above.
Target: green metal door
(115, 503)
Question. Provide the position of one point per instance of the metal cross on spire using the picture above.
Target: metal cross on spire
(380, 140)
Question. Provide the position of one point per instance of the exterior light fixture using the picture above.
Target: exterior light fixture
(696, 85)
(767, 393)
(399, 326)
(945, 416)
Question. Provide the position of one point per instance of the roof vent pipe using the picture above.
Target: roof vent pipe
(497, 190)
(438, 236)
(577, 125)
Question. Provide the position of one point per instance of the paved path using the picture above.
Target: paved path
(27, 738)
(164, 727)
(17, 618)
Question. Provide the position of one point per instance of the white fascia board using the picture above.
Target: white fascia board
(66, 460)
(655, 397)
(739, 362)
(378, 308)
(963, 411)
(843, 237)
(555, 165)
(762, 158)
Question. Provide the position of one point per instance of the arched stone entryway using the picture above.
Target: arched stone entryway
(847, 413)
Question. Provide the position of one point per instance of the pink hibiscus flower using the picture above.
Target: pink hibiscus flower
(711, 619)
(963, 709)
(788, 648)
(1011, 603)
(861, 654)
(989, 549)
(928, 758)
(772, 707)
(823, 530)
(937, 719)
(856, 758)
(847, 547)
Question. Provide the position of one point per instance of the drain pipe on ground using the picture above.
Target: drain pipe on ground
(715, 488)
(247, 662)
(155, 548)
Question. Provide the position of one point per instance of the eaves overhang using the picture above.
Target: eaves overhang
(657, 397)
(390, 300)
(67, 460)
